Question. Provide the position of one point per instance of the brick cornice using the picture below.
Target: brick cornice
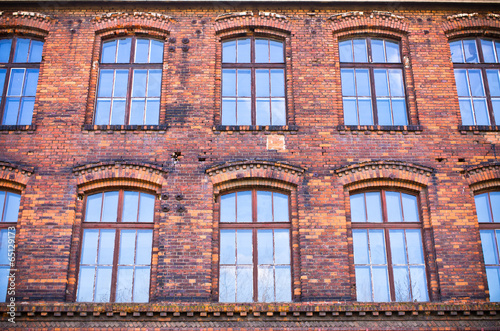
(14, 176)
(26, 22)
(478, 176)
(239, 22)
(356, 20)
(471, 23)
(134, 20)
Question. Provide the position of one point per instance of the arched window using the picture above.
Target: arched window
(387, 243)
(116, 246)
(477, 64)
(129, 88)
(253, 82)
(373, 88)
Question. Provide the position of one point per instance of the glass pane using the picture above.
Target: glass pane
(278, 111)
(121, 83)
(141, 284)
(345, 49)
(27, 107)
(377, 247)
(410, 208)
(283, 278)
(402, 283)
(347, 77)
(350, 113)
(488, 52)
(244, 284)
(418, 284)
(110, 207)
(244, 247)
(156, 53)
(227, 284)
(265, 246)
(262, 83)
(4, 282)
(276, 50)
(490, 251)
(363, 284)
(261, 50)
(2, 202)
(31, 82)
(363, 82)
(244, 82)
(103, 284)
(229, 82)
(493, 276)
(144, 246)
(480, 108)
(374, 207)
(3, 73)
(124, 46)
(229, 51)
(414, 243)
(244, 112)
(466, 112)
(244, 206)
(108, 52)
(462, 82)
(398, 247)
(139, 83)
(127, 247)
(106, 247)
(497, 47)
(4, 251)
(154, 83)
(36, 51)
(476, 83)
(228, 208)
(277, 83)
(360, 246)
(264, 206)
(392, 50)
(93, 208)
(282, 246)
(86, 284)
(399, 112)
(102, 112)
(89, 246)
(396, 82)
(381, 82)
(266, 284)
(227, 246)
(358, 213)
(483, 208)
(228, 111)
(457, 55)
(360, 53)
(141, 51)
(493, 82)
(152, 112)
(124, 284)
(12, 204)
(381, 282)
(495, 205)
(384, 111)
(244, 50)
(147, 208)
(470, 51)
(365, 111)
(22, 47)
(11, 111)
(378, 50)
(393, 207)
(118, 112)
(16, 82)
(280, 206)
(105, 83)
(263, 112)
(5, 46)
(137, 112)
(130, 205)
(496, 110)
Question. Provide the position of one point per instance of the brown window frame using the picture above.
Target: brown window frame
(117, 226)
(254, 225)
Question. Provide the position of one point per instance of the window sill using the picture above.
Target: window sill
(381, 129)
(91, 127)
(18, 128)
(291, 128)
(464, 129)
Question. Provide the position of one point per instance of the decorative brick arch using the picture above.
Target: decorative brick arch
(243, 22)
(121, 22)
(13, 176)
(22, 22)
(375, 21)
(462, 25)
(483, 177)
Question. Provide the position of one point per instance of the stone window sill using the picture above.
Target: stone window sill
(271, 128)
(91, 127)
(18, 128)
(417, 129)
(478, 128)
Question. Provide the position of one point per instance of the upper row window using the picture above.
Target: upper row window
(477, 65)
(129, 82)
(253, 82)
(20, 64)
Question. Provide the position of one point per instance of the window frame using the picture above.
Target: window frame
(386, 226)
(117, 226)
(130, 66)
(22, 65)
(254, 225)
(371, 66)
(253, 66)
(482, 66)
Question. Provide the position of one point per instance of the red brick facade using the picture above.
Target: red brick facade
(189, 159)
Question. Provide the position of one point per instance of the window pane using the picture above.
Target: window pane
(265, 246)
(244, 112)
(227, 284)
(227, 246)
(5, 46)
(466, 112)
(86, 284)
(470, 51)
(278, 111)
(377, 247)
(398, 247)
(476, 83)
(141, 51)
(152, 112)
(358, 213)
(12, 204)
(497, 47)
(277, 83)
(124, 284)
(490, 252)
(105, 83)
(137, 112)
(381, 284)
(261, 50)
(495, 205)
(244, 50)
(31, 82)
(108, 52)
(262, 83)
(118, 112)
(392, 50)
(130, 205)
(154, 83)
(347, 77)
(393, 207)
(244, 247)
(244, 282)
(365, 112)
(102, 112)
(147, 208)
(89, 246)
(496, 110)
(93, 208)
(402, 283)
(480, 108)
(127, 247)
(276, 50)
(410, 208)
(141, 284)
(124, 46)
(2, 202)
(457, 55)
(360, 53)
(418, 284)
(228, 208)
(396, 82)
(3, 73)
(350, 113)
(103, 284)
(266, 284)
(384, 111)
(483, 208)
(280, 206)
(27, 107)
(493, 82)
(229, 51)
(4, 251)
(493, 276)
(106, 247)
(282, 246)
(121, 83)
(11, 111)
(363, 82)
(462, 82)
(139, 83)
(399, 112)
(283, 284)
(374, 207)
(414, 243)
(345, 49)
(263, 112)
(36, 51)
(156, 53)
(378, 50)
(244, 206)
(381, 82)
(144, 246)
(110, 207)
(4, 281)
(264, 206)
(229, 82)
(22, 47)
(363, 284)
(16, 82)
(360, 246)
(244, 80)
(488, 52)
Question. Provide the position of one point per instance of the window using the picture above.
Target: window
(9, 212)
(19, 67)
(477, 65)
(129, 82)
(253, 82)
(373, 90)
(488, 215)
(254, 247)
(388, 254)
(115, 261)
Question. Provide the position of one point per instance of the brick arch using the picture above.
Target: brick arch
(483, 177)
(122, 22)
(375, 22)
(231, 24)
(13, 176)
(462, 25)
(22, 22)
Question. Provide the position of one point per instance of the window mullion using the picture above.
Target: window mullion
(129, 95)
(489, 102)
(374, 96)
(389, 265)
(114, 271)
(255, 266)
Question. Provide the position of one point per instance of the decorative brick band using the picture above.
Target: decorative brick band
(245, 20)
(123, 20)
(26, 22)
(483, 177)
(356, 20)
(14, 176)
(465, 23)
